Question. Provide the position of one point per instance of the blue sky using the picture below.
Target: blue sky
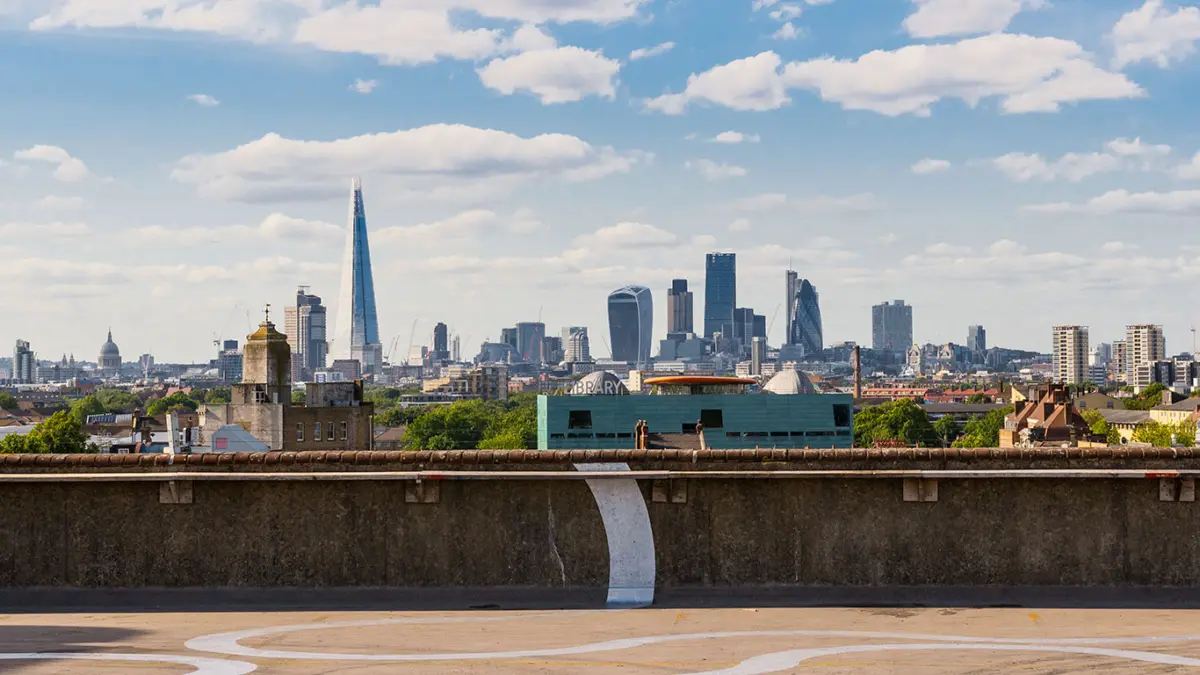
(167, 165)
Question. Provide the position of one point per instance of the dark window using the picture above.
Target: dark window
(797, 433)
(624, 434)
(342, 430)
(606, 435)
(820, 433)
(300, 432)
(329, 434)
(841, 415)
(711, 419)
(843, 432)
(579, 419)
(558, 435)
(579, 435)
(689, 428)
(756, 434)
(317, 431)
(779, 433)
(733, 434)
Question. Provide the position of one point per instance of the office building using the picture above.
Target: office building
(576, 348)
(530, 341)
(110, 358)
(1144, 344)
(305, 325)
(357, 329)
(976, 339)
(679, 308)
(24, 364)
(743, 329)
(456, 349)
(508, 336)
(892, 326)
(1070, 361)
(441, 342)
(805, 332)
(758, 352)
(229, 363)
(631, 324)
(552, 349)
(720, 293)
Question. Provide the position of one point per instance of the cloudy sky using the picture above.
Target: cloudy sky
(168, 165)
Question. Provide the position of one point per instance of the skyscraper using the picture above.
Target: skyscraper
(441, 342)
(631, 324)
(743, 329)
(305, 326)
(891, 326)
(1070, 354)
(1120, 361)
(576, 346)
(530, 341)
(1144, 344)
(357, 335)
(976, 339)
(804, 326)
(24, 364)
(720, 293)
(679, 308)
(508, 336)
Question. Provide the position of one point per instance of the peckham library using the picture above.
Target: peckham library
(600, 413)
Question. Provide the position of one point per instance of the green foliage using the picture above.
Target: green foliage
(382, 397)
(946, 429)
(175, 401)
(1151, 396)
(88, 405)
(465, 425)
(398, 416)
(299, 397)
(979, 398)
(1159, 434)
(903, 421)
(983, 431)
(59, 433)
(218, 395)
(118, 400)
(7, 401)
(1100, 426)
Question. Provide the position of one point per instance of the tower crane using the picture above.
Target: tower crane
(412, 334)
(771, 325)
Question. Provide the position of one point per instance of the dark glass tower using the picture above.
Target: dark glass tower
(805, 330)
(720, 293)
(631, 324)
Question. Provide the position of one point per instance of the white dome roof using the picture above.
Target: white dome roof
(599, 383)
(789, 382)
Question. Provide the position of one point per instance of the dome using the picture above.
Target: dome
(110, 347)
(789, 382)
(599, 383)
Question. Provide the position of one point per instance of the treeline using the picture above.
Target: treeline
(465, 425)
(905, 422)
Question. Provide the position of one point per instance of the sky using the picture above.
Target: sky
(169, 167)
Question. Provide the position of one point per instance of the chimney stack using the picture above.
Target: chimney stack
(857, 374)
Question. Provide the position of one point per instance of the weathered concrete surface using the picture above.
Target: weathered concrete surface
(736, 533)
(941, 641)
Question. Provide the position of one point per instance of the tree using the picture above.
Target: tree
(88, 405)
(902, 420)
(118, 400)
(946, 429)
(1150, 397)
(979, 398)
(983, 431)
(7, 401)
(299, 397)
(59, 433)
(1100, 426)
(399, 416)
(1160, 435)
(218, 395)
(176, 401)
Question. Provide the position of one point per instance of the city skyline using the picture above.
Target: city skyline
(527, 156)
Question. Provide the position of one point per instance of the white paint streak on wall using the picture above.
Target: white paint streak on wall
(562, 570)
(202, 666)
(631, 561)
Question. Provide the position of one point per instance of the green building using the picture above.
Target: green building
(600, 414)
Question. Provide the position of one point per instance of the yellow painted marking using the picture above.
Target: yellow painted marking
(1036, 618)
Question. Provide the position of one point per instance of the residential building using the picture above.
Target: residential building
(720, 293)
(441, 342)
(305, 325)
(1070, 354)
(1119, 365)
(679, 308)
(805, 332)
(530, 335)
(24, 364)
(357, 328)
(892, 327)
(110, 358)
(631, 324)
(489, 383)
(1144, 344)
(1049, 418)
(976, 339)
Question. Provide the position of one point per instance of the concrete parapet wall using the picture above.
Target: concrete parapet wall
(710, 527)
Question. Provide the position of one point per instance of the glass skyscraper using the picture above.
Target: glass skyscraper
(720, 293)
(631, 324)
(357, 335)
(804, 314)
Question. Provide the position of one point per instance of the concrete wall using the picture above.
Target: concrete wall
(707, 532)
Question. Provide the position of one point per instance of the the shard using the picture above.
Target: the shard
(357, 327)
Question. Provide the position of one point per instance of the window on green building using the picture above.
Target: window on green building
(711, 419)
(579, 419)
(841, 415)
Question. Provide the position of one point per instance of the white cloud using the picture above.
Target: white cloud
(461, 225)
(558, 75)
(364, 86)
(68, 169)
(942, 18)
(56, 203)
(1178, 202)
(714, 171)
(1156, 34)
(57, 230)
(945, 249)
(647, 52)
(888, 238)
(1189, 170)
(786, 32)
(1121, 154)
(1118, 246)
(763, 202)
(626, 235)
(735, 137)
(740, 225)
(787, 12)
(1028, 74)
(436, 161)
(762, 4)
(858, 203)
(276, 227)
(930, 165)
(204, 100)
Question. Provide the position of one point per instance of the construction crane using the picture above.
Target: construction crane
(412, 334)
(773, 316)
(391, 355)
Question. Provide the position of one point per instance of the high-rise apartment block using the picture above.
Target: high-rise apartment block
(892, 326)
(679, 308)
(24, 364)
(720, 293)
(357, 335)
(1070, 365)
(305, 326)
(976, 339)
(1119, 365)
(1144, 344)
